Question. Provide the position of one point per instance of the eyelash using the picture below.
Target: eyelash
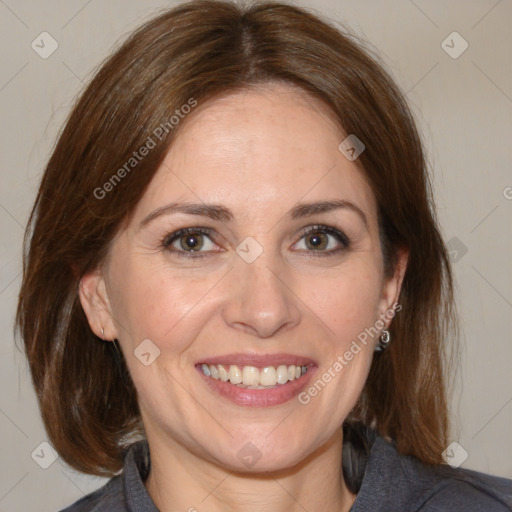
(318, 228)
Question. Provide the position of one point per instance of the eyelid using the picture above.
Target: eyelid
(210, 233)
(330, 230)
(340, 236)
(173, 236)
(170, 238)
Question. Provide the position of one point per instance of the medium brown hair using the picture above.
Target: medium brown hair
(201, 50)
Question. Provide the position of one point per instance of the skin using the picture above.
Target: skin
(258, 152)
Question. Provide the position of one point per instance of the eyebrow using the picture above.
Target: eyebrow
(221, 213)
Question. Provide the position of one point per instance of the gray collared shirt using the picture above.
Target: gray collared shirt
(391, 482)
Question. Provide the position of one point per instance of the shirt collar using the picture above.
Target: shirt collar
(380, 472)
(136, 470)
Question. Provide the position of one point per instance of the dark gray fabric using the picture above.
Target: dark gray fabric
(391, 483)
(394, 482)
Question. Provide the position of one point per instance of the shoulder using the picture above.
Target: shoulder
(124, 492)
(109, 498)
(400, 482)
(460, 489)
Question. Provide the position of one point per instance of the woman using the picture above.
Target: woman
(235, 290)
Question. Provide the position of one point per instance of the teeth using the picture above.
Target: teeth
(223, 374)
(267, 376)
(252, 377)
(235, 375)
(282, 374)
(214, 372)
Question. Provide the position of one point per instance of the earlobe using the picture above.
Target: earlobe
(95, 302)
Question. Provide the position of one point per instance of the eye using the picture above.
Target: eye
(189, 241)
(197, 242)
(325, 240)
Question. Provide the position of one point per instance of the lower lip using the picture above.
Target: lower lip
(259, 397)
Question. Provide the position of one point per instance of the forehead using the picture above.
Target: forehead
(259, 151)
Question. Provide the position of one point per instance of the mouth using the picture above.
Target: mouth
(257, 381)
(251, 377)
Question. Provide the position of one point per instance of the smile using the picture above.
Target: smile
(252, 377)
(256, 380)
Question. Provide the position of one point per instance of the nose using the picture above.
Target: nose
(261, 301)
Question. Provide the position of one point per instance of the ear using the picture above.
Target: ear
(95, 301)
(392, 286)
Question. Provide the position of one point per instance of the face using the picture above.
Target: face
(255, 248)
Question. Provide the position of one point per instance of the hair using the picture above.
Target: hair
(195, 52)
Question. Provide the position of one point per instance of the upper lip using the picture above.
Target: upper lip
(258, 360)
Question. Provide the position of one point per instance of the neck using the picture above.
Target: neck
(180, 480)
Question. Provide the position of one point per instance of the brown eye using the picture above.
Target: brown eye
(316, 241)
(323, 240)
(192, 242)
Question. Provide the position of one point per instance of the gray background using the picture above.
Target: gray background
(464, 108)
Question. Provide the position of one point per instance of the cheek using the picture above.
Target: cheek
(347, 300)
(347, 304)
(152, 303)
